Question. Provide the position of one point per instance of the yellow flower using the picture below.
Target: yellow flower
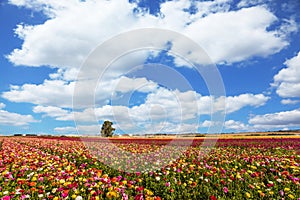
(148, 192)
(55, 198)
(62, 181)
(248, 195)
(34, 178)
(238, 176)
(287, 189)
(67, 183)
(111, 194)
(253, 167)
(291, 196)
(271, 192)
(71, 178)
(74, 196)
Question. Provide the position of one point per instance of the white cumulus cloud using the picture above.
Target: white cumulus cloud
(287, 80)
(278, 119)
(227, 36)
(15, 119)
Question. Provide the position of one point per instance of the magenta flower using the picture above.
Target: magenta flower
(168, 184)
(64, 195)
(225, 189)
(139, 197)
(5, 198)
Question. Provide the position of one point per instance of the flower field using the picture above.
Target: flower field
(71, 168)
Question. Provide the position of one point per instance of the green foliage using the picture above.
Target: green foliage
(107, 130)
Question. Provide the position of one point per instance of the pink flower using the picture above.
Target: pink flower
(5, 198)
(41, 179)
(124, 196)
(168, 184)
(64, 194)
(225, 189)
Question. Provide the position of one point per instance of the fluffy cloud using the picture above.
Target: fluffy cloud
(51, 111)
(235, 103)
(125, 84)
(248, 3)
(161, 110)
(223, 34)
(228, 125)
(287, 81)
(59, 93)
(278, 119)
(236, 125)
(79, 130)
(289, 101)
(59, 42)
(15, 119)
(2, 105)
(51, 92)
(66, 129)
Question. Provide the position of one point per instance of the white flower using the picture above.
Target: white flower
(54, 190)
(31, 174)
(278, 180)
(78, 198)
(157, 178)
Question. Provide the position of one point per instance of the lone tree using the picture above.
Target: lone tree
(107, 130)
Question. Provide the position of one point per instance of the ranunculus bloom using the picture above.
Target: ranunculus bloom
(212, 197)
(225, 189)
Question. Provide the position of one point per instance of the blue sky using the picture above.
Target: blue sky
(253, 45)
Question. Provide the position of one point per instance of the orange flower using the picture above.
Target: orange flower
(113, 180)
(32, 184)
(194, 184)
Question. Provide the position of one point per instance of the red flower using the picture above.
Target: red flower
(212, 197)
